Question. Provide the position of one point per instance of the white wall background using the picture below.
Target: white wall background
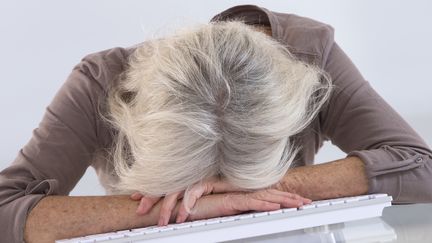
(389, 41)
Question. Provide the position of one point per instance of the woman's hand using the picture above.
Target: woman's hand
(217, 205)
(211, 186)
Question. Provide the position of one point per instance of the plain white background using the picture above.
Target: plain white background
(389, 41)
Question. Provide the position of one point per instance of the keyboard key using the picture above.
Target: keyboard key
(337, 202)
(363, 197)
(235, 217)
(133, 234)
(117, 236)
(229, 219)
(83, 240)
(145, 228)
(161, 229)
(321, 204)
(198, 223)
(246, 216)
(183, 225)
(257, 215)
(213, 222)
(309, 206)
(351, 199)
(276, 212)
(287, 210)
(98, 237)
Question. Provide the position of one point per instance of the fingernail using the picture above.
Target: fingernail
(164, 221)
(135, 196)
(179, 218)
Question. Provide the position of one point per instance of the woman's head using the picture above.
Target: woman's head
(219, 99)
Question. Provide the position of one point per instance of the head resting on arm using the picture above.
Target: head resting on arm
(218, 99)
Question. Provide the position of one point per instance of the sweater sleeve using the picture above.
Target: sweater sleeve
(357, 120)
(55, 157)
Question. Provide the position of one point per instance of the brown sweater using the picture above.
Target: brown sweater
(71, 137)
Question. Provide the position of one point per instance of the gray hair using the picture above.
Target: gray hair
(221, 99)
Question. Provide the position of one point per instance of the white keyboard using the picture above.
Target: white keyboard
(252, 224)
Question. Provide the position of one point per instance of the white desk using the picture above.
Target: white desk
(399, 223)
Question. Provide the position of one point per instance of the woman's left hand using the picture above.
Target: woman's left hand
(209, 186)
(225, 204)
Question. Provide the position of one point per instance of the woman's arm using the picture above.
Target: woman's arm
(62, 146)
(339, 178)
(357, 120)
(385, 155)
(60, 217)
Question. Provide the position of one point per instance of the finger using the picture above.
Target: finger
(182, 214)
(259, 205)
(192, 194)
(247, 202)
(168, 205)
(298, 197)
(291, 197)
(284, 199)
(136, 196)
(146, 204)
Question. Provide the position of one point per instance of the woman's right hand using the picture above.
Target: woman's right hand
(190, 196)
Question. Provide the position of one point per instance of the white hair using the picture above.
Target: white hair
(219, 99)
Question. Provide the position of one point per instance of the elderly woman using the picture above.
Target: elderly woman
(211, 121)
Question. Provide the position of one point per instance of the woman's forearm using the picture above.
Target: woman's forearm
(60, 217)
(339, 178)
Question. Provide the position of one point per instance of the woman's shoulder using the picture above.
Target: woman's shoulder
(90, 82)
(105, 66)
(308, 39)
